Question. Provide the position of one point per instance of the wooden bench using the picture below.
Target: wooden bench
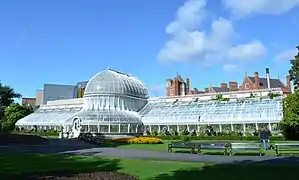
(212, 146)
(182, 145)
(285, 147)
(244, 147)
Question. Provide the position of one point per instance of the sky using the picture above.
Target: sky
(209, 41)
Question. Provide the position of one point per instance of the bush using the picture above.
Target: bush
(205, 137)
(38, 133)
(140, 140)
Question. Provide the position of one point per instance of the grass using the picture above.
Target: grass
(145, 169)
(164, 147)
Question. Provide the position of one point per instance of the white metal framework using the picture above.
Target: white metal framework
(247, 112)
(49, 117)
(118, 103)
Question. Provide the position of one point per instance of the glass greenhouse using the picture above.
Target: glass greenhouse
(247, 115)
(117, 103)
(111, 102)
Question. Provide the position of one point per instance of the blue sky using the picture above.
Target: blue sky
(211, 42)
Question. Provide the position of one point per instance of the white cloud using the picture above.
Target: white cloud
(189, 43)
(230, 67)
(249, 7)
(251, 51)
(189, 16)
(286, 55)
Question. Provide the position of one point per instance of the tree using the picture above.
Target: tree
(7, 94)
(219, 97)
(290, 121)
(294, 71)
(13, 113)
(273, 95)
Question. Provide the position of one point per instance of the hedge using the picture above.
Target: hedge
(241, 138)
(38, 133)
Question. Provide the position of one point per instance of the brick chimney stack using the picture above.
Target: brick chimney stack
(233, 86)
(187, 86)
(223, 85)
(207, 90)
(256, 80)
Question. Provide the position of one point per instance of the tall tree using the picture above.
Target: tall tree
(294, 71)
(7, 94)
(13, 113)
(290, 121)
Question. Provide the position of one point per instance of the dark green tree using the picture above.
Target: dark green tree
(7, 95)
(294, 71)
(13, 113)
(290, 121)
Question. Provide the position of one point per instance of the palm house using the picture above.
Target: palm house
(115, 103)
(110, 105)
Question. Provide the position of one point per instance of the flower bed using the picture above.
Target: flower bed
(140, 140)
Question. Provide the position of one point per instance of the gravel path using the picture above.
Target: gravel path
(80, 148)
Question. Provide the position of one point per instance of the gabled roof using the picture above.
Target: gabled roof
(219, 89)
(274, 83)
(179, 77)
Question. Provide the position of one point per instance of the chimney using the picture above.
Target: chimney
(223, 85)
(233, 86)
(207, 90)
(177, 87)
(288, 81)
(256, 80)
(268, 77)
(187, 85)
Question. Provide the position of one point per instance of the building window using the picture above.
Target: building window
(247, 86)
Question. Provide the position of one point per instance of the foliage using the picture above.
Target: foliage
(294, 71)
(251, 95)
(201, 137)
(140, 140)
(9, 111)
(290, 121)
(40, 132)
(7, 94)
(273, 95)
(219, 97)
(12, 114)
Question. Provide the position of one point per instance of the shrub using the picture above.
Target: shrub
(205, 137)
(140, 140)
(38, 133)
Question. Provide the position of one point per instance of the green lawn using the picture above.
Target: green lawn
(20, 164)
(164, 147)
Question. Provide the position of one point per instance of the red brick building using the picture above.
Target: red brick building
(29, 102)
(178, 87)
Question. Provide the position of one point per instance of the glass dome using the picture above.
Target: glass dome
(113, 82)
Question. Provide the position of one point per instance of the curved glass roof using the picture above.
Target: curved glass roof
(249, 111)
(113, 82)
(49, 117)
(106, 117)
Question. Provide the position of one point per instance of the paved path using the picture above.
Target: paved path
(81, 148)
